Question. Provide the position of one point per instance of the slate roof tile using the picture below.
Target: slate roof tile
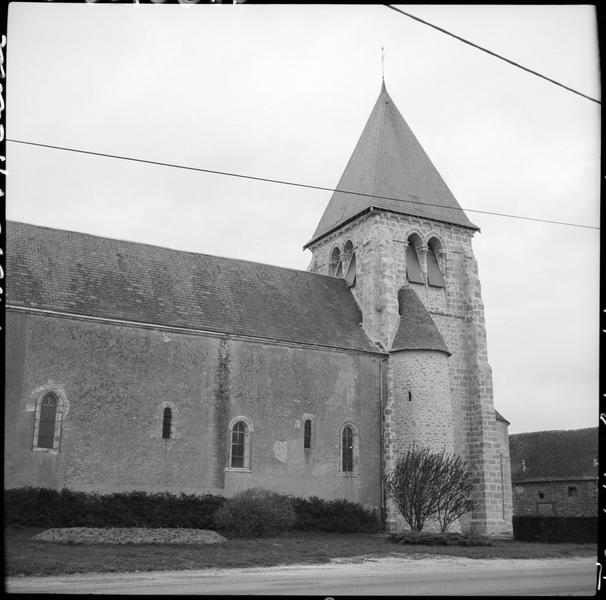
(554, 454)
(89, 275)
(417, 330)
(388, 161)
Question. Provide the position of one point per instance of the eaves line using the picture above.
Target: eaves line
(189, 330)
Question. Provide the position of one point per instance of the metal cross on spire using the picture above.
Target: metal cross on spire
(382, 63)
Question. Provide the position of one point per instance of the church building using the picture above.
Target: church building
(136, 367)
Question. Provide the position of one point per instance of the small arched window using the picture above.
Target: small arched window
(307, 434)
(240, 445)
(434, 273)
(347, 449)
(414, 273)
(167, 418)
(47, 422)
(347, 252)
(336, 266)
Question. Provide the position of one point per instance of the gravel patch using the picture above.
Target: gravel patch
(132, 535)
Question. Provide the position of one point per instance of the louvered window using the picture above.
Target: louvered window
(336, 267)
(413, 267)
(434, 275)
(350, 276)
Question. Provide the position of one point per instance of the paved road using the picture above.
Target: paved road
(385, 576)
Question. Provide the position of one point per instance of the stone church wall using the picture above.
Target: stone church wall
(115, 381)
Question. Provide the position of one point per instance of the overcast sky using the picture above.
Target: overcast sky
(284, 92)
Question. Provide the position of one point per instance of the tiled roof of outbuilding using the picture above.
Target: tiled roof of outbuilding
(553, 454)
(88, 275)
(388, 161)
(416, 330)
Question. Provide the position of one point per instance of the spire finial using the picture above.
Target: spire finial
(382, 64)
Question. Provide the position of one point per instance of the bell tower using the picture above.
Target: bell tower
(403, 245)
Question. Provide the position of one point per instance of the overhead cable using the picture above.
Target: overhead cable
(511, 62)
(294, 184)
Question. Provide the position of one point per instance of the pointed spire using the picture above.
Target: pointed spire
(390, 166)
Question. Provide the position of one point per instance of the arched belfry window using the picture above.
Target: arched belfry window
(336, 265)
(240, 442)
(167, 418)
(349, 263)
(414, 273)
(349, 449)
(435, 276)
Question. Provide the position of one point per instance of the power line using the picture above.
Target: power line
(294, 184)
(511, 62)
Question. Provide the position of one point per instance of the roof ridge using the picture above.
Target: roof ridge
(553, 431)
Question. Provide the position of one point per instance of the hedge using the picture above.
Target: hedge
(555, 529)
(427, 538)
(341, 516)
(254, 513)
(41, 507)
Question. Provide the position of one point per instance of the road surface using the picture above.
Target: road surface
(394, 576)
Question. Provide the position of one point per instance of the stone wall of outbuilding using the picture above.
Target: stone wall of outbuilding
(563, 498)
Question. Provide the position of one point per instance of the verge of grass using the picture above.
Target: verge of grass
(26, 557)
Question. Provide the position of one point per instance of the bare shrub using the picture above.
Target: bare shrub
(426, 484)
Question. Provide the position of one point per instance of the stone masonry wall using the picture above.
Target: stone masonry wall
(505, 466)
(117, 379)
(419, 410)
(570, 498)
(379, 241)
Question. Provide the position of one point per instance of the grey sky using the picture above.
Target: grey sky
(284, 92)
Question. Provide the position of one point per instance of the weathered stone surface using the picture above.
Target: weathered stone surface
(452, 404)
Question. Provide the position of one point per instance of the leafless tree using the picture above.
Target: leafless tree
(426, 484)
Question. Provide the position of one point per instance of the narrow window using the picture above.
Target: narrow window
(48, 417)
(238, 445)
(347, 449)
(572, 491)
(413, 266)
(166, 423)
(434, 275)
(336, 266)
(350, 276)
(307, 435)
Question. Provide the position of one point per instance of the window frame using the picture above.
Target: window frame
(307, 435)
(57, 421)
(435, 276)
(335, 263)
(355, 450)
(414, 270)
(167, 423)
(246, 445)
